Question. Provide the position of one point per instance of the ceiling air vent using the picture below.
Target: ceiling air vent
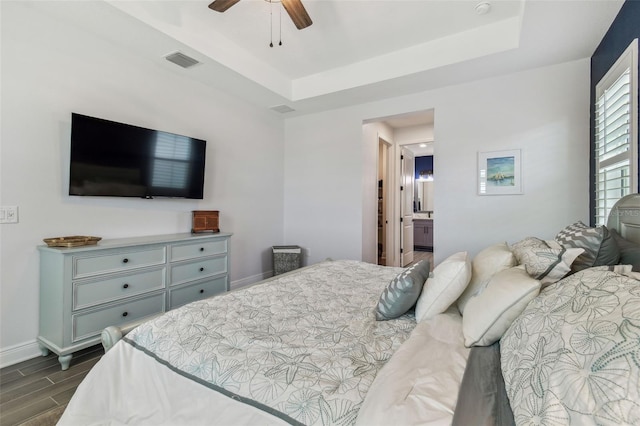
(181, 59)
(282, 109)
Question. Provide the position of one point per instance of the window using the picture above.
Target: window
(171, 161)
(616, 133)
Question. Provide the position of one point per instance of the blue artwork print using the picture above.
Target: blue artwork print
(501, 171)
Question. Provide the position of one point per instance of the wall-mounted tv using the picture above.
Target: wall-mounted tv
(120, 160)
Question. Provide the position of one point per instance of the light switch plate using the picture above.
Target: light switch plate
(9, 214)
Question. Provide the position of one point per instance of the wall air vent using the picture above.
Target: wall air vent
(181, 59)
(282, 109)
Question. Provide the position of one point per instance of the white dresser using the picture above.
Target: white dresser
(122, 282)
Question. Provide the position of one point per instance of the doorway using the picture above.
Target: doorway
(387, 231)
(423, 216)
(384, 174)
(407, 167)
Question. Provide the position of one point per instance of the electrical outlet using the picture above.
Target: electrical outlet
(9, 214)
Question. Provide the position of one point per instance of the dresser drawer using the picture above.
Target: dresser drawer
(191, 292)
(90, 293)
(121, 261)
(195, 250)
(92, 323)
(197, 269)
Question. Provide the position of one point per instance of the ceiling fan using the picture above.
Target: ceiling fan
(294, 8)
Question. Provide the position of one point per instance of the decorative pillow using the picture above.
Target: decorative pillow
(488, 315)
(599, 246)
(629, 251)
(571, 357)
(546, 261)
(486, 264)
(449, 280)
(402, 292)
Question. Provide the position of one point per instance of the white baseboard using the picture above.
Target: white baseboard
(19, 353)
(249, 281)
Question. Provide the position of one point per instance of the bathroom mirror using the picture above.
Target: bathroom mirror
(423, 197)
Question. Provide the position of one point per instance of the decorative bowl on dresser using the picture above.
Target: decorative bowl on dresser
(122, 282)
(74, 241)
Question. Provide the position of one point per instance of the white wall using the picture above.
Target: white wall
(544, 112)
(304, 183)
(49, 70)
(324, 175)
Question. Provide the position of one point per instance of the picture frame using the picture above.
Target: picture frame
(500, 172)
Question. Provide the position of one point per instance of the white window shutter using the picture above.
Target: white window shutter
(616, 133)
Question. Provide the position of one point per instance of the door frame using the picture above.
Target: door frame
(388, 185)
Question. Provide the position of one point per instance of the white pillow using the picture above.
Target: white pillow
(488, 315)
(449, 280)
(419, 384)
(485, 265)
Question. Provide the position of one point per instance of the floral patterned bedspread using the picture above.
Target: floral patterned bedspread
(573, 356)
(303, 346)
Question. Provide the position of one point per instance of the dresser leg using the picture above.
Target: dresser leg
(65, 360)
(44, 350)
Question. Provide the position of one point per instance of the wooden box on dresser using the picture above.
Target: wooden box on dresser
(122, 282)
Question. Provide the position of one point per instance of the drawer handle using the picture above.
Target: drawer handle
(124, 314)
(201, 248)
(201, 291)
(125, 286)
(125, 260)
(201, 269)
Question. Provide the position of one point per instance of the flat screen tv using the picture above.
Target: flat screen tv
(121, 160)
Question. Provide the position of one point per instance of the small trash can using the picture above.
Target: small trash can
(286, 258)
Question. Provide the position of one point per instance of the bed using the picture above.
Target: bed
(487, 340)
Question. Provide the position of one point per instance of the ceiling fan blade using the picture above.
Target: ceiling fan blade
(222, 5)
(297, 12)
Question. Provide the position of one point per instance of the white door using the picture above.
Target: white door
(406, 206)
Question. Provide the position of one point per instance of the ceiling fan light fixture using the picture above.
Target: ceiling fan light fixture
(222, 5)
(294, 8)
(271, 22)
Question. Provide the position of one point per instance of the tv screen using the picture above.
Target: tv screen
(121, 160)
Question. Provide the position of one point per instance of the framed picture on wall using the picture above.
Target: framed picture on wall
(500, 172)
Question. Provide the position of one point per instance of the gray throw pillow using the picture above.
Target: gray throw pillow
(402, 292)
(629, 251)
(599, 246)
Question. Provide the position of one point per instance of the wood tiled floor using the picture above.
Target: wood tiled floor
(35, 392)
(419, 255)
